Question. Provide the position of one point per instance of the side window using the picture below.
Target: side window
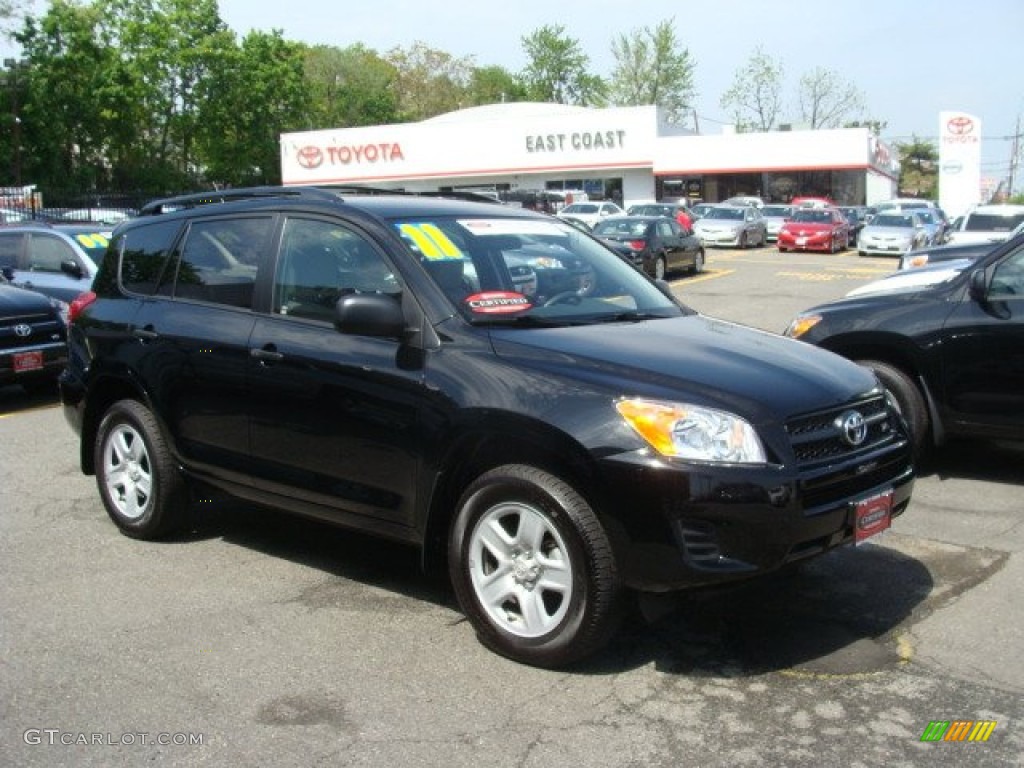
(45, 253)
(218, 260)
(145, 254)
(321, 261)
(1008, 279)
(9, 249)
(665, 229)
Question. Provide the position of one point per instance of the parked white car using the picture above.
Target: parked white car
(590, 213)
(992, 223)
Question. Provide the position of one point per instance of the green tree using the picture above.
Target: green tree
(258, 92)
(166, 49)
(652, 67)
(61, 85)
(557, 69)
(493, 85)
(826, 100)
(429, 82)
(755, 98)
(919, 168)
(349, 87)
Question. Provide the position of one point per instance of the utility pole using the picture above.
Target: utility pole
(1014, 157)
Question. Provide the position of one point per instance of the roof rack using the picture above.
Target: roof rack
(321, 192)
(178, 202)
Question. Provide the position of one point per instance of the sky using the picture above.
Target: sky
(910, 59)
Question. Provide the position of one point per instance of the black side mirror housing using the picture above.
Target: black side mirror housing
(71, 267)
(370, 314)
(977, 287)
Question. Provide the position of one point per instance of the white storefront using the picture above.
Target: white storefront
(625, 152)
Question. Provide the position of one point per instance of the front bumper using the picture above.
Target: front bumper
(52, 359)
(676, 526)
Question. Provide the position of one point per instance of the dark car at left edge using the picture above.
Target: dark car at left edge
(33, 347)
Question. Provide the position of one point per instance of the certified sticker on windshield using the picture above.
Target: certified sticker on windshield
(497, 303)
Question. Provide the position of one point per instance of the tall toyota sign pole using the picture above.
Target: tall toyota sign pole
(959, 162)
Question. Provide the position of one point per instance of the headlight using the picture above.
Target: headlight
(689, 431)
(801, 325)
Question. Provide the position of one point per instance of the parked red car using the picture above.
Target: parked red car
(815, 229)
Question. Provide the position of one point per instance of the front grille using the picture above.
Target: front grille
(44, 329)
(831, 469)
(817, 437)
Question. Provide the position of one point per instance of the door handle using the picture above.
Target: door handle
(266, 354)
(145, 334)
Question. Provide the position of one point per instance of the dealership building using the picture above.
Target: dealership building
(622, 153)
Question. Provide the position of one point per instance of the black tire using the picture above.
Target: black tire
(660, 267)
(140, 484)
(698, 262)
(742, 244)
(547, 611)
(909, 400)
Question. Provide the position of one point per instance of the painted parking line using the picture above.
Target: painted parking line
(707, 274)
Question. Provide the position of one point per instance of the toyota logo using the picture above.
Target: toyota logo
(960, 126)
(310, 157)
(852, 428)
(23, 330)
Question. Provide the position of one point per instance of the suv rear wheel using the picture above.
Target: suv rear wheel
(142, 490)
(533, 568)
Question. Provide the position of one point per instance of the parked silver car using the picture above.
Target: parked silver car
(738, 226)
(57, 260)
(774, 217)
(892, 233)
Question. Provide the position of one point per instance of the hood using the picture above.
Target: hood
(758, 375)
(914, 280)
(15, 301)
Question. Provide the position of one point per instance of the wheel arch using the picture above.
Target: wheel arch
(899, 353)
(104, 391)
(502, 440)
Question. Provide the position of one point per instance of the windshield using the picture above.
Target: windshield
(93, 243)
(580, 208)
(812, 216)
(777, 211)
(735, 214)
(989, 222)
(650, 210)
(523, 271)
(621, 227)
(893, 220)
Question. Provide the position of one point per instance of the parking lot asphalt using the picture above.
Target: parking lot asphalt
(277, 641)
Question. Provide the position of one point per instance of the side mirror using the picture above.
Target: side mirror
(8, 273)
(71, 267)
(370, 314)
(977, 287)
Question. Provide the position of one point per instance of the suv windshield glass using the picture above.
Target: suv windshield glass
(991, 222)
(510, 270)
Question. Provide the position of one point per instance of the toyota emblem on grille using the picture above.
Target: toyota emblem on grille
(852, 428)
(23, 330)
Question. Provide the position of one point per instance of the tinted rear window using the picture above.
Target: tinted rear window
(146, 251)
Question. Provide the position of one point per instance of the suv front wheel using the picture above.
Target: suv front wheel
(139, 482)
(533, 568)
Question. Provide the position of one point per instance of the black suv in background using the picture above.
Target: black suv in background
(946, 339)
(486, 382)
(33, 348)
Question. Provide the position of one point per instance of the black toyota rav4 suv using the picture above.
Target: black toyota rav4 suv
(488, 383)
